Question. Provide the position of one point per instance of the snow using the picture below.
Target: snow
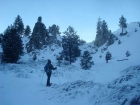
(50, 34)
(113, 83)
(59, 37)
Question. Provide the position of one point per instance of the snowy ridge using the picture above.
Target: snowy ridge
(127, 44)
(131, 27)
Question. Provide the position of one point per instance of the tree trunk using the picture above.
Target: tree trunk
(70, 52)
(122, 30)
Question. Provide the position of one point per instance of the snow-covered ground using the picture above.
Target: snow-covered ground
(113, 83)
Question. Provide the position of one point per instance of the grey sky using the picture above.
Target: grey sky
(80, 14)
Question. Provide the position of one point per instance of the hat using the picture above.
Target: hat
(49, 61)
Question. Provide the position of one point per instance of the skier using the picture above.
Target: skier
(48, 69)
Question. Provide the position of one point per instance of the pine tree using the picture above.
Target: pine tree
(39, 34)
(108, 56)
(54, 30)
(27, 31)
(34, 57)
(119, 42)
(110, 38)
(86, 61)
(11, 45)
(59, 59)
(122, 23)
(127, 53)
(1, 35)
(99, 23)
(102, 33)
(82, 42)
(98, 32)
(70, 44)
(104, 30)
(18, 24)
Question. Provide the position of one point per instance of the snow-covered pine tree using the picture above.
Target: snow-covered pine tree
(11, 45)
(18, 24)
(39, 34)
(110, 38)
(98, 32)
(59, 59)
(127, 53)
(108, 56)
(119, 42)
(70, 44)
(1, 35)
(34, 57)
(27, 31)
(86, 61)
(104, 31)
(122, 23)
(82, 42)
(53, 32)
(139, 24)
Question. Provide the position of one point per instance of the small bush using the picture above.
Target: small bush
(119, 42)
(34, 57)
(127, 53)
(122, 34)
(108, 56)
(86, 61)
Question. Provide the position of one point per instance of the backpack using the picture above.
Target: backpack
(46, 68)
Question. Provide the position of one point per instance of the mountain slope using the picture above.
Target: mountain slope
(113, 83)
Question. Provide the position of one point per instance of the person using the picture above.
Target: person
(49, 72)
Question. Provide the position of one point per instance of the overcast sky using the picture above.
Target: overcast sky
(82, 15)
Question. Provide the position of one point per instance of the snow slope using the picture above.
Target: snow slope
(113, 83)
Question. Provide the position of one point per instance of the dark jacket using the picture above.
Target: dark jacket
(51, 67)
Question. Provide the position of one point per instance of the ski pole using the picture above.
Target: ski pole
(58, 77)
(42, 77)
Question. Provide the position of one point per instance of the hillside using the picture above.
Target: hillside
(112, 83)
